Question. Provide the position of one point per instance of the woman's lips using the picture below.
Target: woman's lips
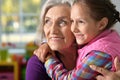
(56, 38)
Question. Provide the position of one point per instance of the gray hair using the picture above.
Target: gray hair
(48, 4)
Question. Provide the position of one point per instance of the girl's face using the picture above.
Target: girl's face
(57, 27)
(83, 26)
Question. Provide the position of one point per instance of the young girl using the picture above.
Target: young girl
(98, 44)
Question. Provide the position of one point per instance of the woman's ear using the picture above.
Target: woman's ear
(103, 23)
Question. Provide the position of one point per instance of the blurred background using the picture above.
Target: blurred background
(18, 22)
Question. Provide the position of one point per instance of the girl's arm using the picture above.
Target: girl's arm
(106, 74)
(56, 70)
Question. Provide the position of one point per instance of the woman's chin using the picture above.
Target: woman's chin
(55, 48)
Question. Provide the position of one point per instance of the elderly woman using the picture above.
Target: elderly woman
(55, 24)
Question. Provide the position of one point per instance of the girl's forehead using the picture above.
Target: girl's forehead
(81, 7)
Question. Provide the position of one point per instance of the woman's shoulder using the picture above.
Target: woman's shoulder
(35, 69)
(33, 61)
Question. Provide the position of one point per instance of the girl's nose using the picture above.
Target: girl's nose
(74, 27)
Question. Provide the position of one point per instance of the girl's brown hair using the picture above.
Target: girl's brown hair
(100, 9)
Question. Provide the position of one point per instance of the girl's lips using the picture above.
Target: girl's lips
(78, 35)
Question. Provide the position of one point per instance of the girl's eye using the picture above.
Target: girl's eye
(80, 21)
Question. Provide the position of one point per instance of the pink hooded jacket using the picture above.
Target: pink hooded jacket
(107, 42)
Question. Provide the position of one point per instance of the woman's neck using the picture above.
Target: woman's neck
(68, 57)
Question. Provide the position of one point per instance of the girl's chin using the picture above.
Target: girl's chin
(80, 43)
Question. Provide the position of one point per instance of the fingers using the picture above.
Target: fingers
(99, 69)
(35, 51)
(38, 53)
(42, 52)
(117, 63)
(100, 77)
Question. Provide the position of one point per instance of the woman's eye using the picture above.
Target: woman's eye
(48, 22)
(63, 23)
(71, 21)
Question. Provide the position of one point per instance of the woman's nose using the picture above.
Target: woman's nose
(54, 28)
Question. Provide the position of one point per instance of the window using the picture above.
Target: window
(18, 20)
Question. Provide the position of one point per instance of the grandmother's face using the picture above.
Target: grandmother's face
(57, 27)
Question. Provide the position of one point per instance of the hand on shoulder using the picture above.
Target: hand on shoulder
(108, 75)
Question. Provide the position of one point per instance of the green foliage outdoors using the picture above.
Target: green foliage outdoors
(11, 12)
(28, 6)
